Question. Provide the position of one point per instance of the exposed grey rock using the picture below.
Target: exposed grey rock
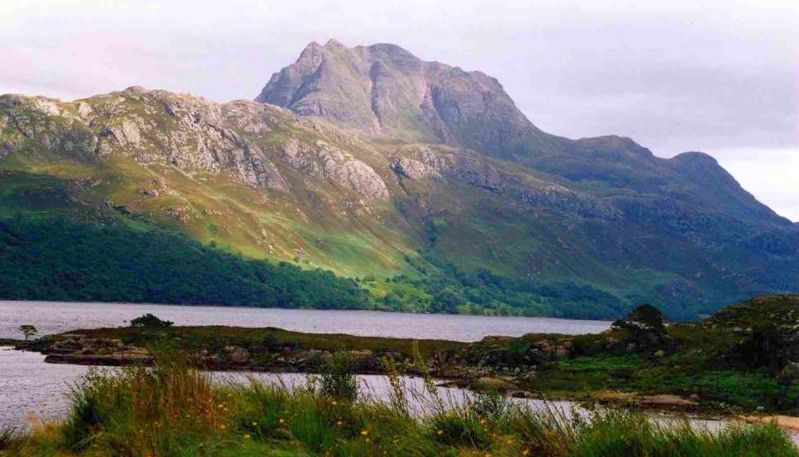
(203, 137)
(482, 173)
(415, 169)
(236, 355)
(384, 89)
(351, 173)
(84, 109)
(79, 350)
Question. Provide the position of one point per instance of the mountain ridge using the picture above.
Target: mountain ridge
(532, 223)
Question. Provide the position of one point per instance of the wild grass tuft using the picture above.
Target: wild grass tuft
(336, 379)
(10, 440)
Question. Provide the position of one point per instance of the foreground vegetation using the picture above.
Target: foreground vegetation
(172, 410)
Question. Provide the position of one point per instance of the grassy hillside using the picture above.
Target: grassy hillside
(424, 227)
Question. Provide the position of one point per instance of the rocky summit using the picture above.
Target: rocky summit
(423, 181)
(384, 89)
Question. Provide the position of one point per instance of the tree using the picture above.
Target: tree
(644, 331)
(647, 315)
(28, 330)
(148, 321)
(447, 301)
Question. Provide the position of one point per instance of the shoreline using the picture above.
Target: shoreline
(460, 382)
(711, 367)
(670, 406)
(472, 365)
(790, 423)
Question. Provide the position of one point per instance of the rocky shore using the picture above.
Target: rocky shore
(489, 365)
(459, 369)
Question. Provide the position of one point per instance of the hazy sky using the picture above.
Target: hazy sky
(717, 76)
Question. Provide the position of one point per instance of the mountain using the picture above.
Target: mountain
(383, 89)
(422, 181)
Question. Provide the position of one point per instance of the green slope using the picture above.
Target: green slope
(588, 230)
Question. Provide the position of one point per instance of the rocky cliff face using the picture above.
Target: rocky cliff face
(189, 133)
(383, 89)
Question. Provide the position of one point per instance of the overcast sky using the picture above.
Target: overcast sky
(718, 76)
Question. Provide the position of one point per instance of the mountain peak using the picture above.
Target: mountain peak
(334, 43)
(313, 45)
(385, 90)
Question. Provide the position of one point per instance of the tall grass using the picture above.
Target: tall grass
(336, 378)
(172, 410)
(10, 440)
(143, 411)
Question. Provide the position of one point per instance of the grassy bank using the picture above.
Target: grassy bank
(173, 410)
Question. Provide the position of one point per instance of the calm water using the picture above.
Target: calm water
(57, 317)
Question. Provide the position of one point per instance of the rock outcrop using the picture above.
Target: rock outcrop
(186, 132)
(77, 349)
(325, 160)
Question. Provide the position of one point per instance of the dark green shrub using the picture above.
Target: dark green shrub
(150, 322)
(337, 378)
